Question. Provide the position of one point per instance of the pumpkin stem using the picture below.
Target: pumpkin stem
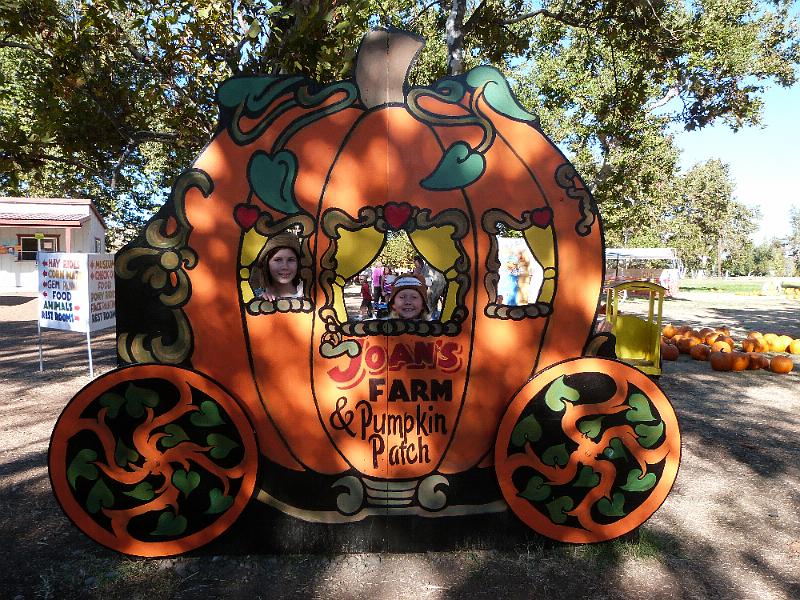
(384, 59)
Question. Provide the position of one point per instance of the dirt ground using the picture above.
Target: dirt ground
(729, 529)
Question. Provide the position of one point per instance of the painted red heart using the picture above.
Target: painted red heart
(542, 217)
(44, 273)
(77, 318)
(44, 294)
(246, 215)
(396, 214)
(77, 307)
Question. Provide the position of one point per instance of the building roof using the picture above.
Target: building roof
(42, 212)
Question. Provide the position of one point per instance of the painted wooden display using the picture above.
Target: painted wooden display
(354, 420)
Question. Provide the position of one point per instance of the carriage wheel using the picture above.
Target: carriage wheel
(587, 451)
(153, 460)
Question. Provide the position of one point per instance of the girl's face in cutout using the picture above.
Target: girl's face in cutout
(283, 266)
(408, 304)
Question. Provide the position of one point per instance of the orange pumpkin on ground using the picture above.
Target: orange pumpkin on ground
(755, 334)
(694, 334)
(757, 361)
(781, 364)
(770, 338)
(724, 330)
(783, 342)
(687, 343)
(794, 347)
(739, 361)
(720, 346)
(669, 352)
(669, 330)
(705, 331)
(720, 361)
(749, 345)
(700, 352)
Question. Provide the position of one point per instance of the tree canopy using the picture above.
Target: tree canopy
(111, 99)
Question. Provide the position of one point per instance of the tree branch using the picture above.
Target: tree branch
(560, 17)
(5, 44)
(473, 18)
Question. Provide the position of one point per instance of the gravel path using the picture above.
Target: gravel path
(729, 529)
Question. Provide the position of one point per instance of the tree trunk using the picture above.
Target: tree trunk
(454, 29)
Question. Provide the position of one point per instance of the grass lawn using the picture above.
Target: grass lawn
(744, 286)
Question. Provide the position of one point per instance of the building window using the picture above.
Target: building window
(98, 245)
(29, 245)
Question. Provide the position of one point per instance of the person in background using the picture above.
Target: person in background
(377, 282)
(388, 278)
(524, 278)
(366, 299)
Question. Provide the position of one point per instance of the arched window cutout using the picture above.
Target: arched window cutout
(521, 264)
(252, 256)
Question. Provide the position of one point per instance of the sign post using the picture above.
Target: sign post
(76, 293)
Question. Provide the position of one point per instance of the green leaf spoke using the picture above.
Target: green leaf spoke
(221, 445)
(170, 524)
(136, 398)
(638, 483)
(587, 478)
(460, 166)
(591, 427)
(207, 416)
(536, 490)
(175, 437)
(99, 497)
(556, 456)
(81, 466)
(497, 94)
(558, 393)
(527, 430)
(558, 508)
(124, 455)
(649, 434)
(613, 507)
(218, 502)
(641, 409)
(143, 491)
(113, 402)
(615, 449)
(186, 481)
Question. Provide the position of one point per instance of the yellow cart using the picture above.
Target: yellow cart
(638, 339)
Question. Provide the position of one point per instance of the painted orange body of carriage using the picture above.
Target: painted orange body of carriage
(385, 412)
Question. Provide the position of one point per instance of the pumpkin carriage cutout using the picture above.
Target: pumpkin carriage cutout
(228, 398)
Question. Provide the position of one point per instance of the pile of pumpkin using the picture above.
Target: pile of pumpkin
(717, 347)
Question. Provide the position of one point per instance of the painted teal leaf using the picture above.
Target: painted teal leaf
(143, 491)
(136, 398)
(218, 502)
(591, 427)
(207, 416)
(450, 88)
(527, 430)
(536, 490)
(221, 445)
(81, 467)
(185, 481)
(637, 483)
(272, 178)
(459, 167)
(558, 508)
(175, 437)
(557, 393)
(649, 434)
(170, 524)
(588, 478)
(615, 449)
(556, 455)
(640, 409)
(113, 402)
(99, 496)
(256, 92)
(612, 508)
(497, 93)
(124, 455)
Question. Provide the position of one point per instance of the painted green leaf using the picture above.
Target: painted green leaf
(207, 416)
(81, 467)
(170, 524)
(451, 88)
(99, 496)
(557, 393)
(612, 508)
(136, 398)
(558, 508)
(556, 455)
(588, 478)
(221, 445)
(649, 434)
(615, 449)
(459, 167)
(185, 481)
(175, 437)
(143, 491)
(640, 409)
(272, 178)
(124, 455)
(113, 402)
(637, 483)
(218, 502)
(527, 430)
(497, 92)
(591, 427)
(256, 92)
(536, 490)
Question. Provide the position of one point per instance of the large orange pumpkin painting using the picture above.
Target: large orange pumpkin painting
(354, 418)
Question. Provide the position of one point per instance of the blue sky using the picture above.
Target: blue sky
(764, 161)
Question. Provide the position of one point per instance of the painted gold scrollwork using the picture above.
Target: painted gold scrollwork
(160, 262)
(565, 178)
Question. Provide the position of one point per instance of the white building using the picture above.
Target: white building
(28, 225)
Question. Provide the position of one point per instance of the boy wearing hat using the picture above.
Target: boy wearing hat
(408, 298)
